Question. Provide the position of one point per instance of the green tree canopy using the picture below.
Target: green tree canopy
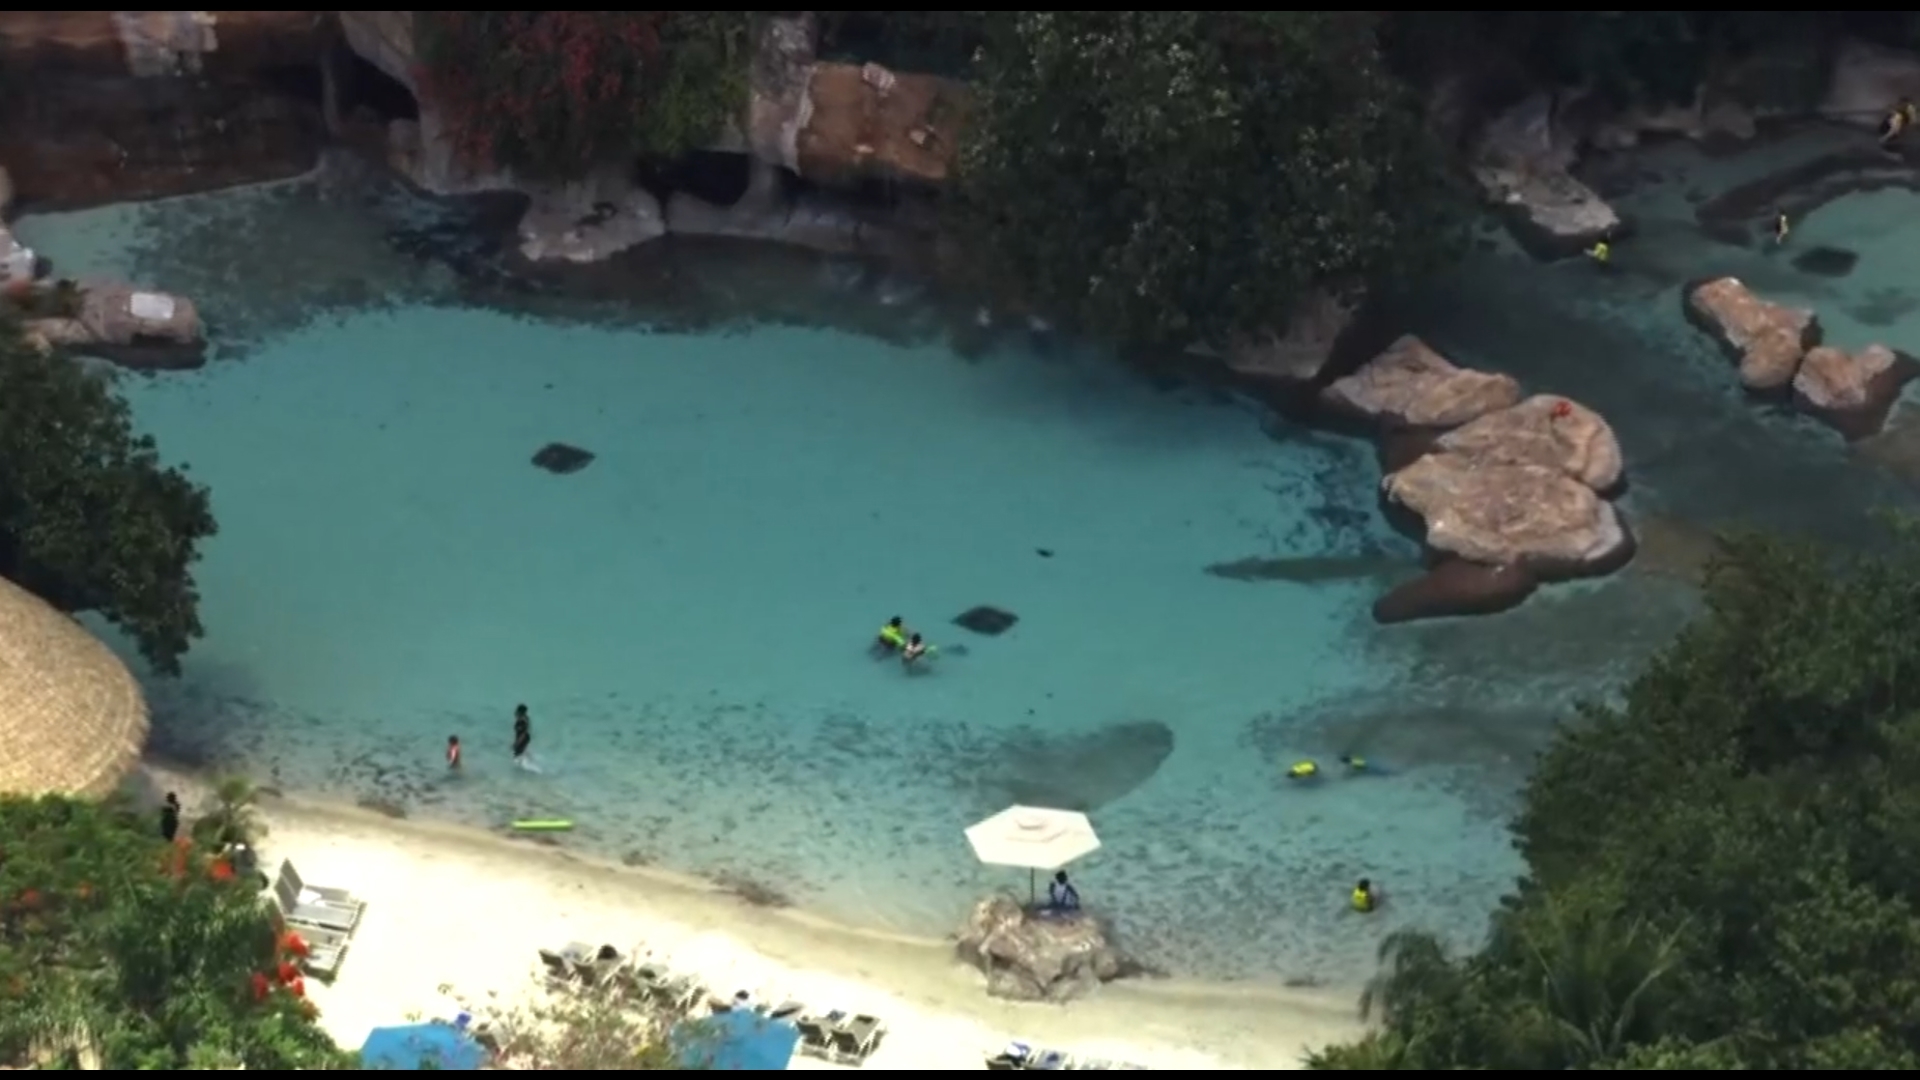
(1174, 176)
(1724, 870)
(89, 518)
(117, 946)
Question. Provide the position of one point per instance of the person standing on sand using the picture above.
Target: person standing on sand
(522, 734)
(170, 817)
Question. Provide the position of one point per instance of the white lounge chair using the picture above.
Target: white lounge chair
(302, 909)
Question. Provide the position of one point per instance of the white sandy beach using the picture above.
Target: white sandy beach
(467, 909)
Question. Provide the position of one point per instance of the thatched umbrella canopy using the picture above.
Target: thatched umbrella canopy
(72, 718)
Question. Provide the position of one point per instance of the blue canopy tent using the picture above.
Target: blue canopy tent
(421, 1047)
(738, 1040)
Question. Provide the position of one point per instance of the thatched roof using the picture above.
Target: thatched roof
(72, 718)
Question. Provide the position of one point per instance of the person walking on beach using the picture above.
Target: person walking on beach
(170, 817)
(522, 734)
(453, 753)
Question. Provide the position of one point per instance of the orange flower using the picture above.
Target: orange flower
(84, 891)
(220, 870)
(298, 987)
(293, 944)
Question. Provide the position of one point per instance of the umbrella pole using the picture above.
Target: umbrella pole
(1033, 887)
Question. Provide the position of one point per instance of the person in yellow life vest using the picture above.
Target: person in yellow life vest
(1364, 899)
(892, 637)
(1303, 770)
(1600, 252)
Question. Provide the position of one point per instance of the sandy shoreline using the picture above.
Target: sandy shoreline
(451, 906)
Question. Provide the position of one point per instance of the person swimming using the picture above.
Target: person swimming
(1601, 252)
(1354, 763)
(453, 753)
(1303, 770)
(892, 637)
(912, 651)
(1363, 898)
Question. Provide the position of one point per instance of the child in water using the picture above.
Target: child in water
(453, 753)
(910, 654)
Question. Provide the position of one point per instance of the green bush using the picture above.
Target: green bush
(1724, 871)
(121, 951)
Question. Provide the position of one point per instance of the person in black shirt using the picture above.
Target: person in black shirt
(170, 817)
(522, 733)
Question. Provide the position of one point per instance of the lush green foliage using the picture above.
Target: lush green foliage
(1724, 872)
(121, 951)
(89, 519)
(596, 1030)
(557, 92)
(1189, 175)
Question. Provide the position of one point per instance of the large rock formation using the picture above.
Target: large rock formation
(137, 328)
(1300, 352)
(1867, 80)
(1778, 350)
(1547, 431)
(827, 122)
(1767, 340)
(1035, 957)
(1410, 385)
(1498, 514)
(111, 105)
(1521, 163)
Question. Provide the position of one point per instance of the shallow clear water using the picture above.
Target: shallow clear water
(687, 618)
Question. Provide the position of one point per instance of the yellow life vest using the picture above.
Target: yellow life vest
(1300, 770)
(891, 635)
(1362, 900)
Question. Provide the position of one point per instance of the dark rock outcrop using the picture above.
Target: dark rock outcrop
(1033, 957)
(105, 106)
(561, 459)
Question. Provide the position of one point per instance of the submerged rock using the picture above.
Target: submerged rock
(986, 619)
(1544, 430)
(1826, 262)
(1300, 352)
(1082, 771)
(1410, 385)
(1498, 514)
(561, 459)
(1032, 957)
(1457, 587)
(1852, 392)
(1768, 340)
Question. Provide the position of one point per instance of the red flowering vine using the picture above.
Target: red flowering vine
(558, 91)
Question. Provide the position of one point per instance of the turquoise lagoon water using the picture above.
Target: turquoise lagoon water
(788, 453)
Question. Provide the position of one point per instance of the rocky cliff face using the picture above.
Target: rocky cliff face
(109, 105)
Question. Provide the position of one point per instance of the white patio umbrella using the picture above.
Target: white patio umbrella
(1033, 838)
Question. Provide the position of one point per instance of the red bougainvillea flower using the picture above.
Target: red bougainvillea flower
(260, 986)
(287, 973)
(298, 987)
(220, 870)
(293, 944)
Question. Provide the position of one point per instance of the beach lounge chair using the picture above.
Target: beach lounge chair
(1050, 1059)
(319, 893)
(816, 1033)
(326, 950)
(601, 967)
(303, 911)
(854, 1039)
(1019, 1055)
(679, 994)
(561, 969)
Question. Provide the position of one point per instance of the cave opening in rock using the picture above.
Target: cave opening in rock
(300, 82)
(718, 177)
(363, 86)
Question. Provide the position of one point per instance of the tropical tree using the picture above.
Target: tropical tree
(90, 520)
(1724, 870)
(1182, 176)
(119, 950)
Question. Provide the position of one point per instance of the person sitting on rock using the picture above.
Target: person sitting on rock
(1061, 895)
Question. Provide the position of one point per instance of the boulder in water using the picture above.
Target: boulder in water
(1767, 340)
(986, 619)
(1029, 956)
(561, 459)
